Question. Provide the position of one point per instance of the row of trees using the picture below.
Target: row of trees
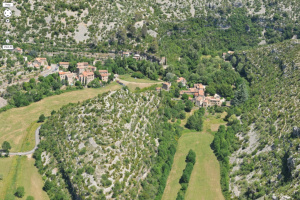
(224, 143)
(185, 178)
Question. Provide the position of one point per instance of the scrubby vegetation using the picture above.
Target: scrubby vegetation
(266, 163)
(103, 156)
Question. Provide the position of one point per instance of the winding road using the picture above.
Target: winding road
(37, 141)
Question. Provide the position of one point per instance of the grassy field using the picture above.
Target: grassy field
(29, 141)
(14, 123)
(133, 83)
(205, 179)
(20, 171)
(128, 78)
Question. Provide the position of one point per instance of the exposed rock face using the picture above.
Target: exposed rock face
(3, 102)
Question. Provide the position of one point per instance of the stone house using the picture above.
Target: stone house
(104, 75)
(41, 61)
(18, 50)
(166, 86)
(181, 80)
(64, 65)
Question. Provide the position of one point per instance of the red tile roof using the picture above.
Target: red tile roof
(103, 74)
(199, 85)
(82, 64)
(180, 79)
(39, 59)
(87, 73)
(64, 63)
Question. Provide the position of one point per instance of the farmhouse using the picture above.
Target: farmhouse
(18, 50)
(104, 75)
(86, 77)
(126, 54)
(199, 97)
(84, 73)
(38, 62)
(67, 76)
(181, 80)
(137, 56)
(166, 86)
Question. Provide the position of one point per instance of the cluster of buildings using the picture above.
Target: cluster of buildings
(38, 62)
(198, 93)
(161, 61)
(85, 73)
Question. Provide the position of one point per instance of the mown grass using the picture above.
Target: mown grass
(29, 141)
(205, 179)
(20, 171)
(127, 77)
(7, 169)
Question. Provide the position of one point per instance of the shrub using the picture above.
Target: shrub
(42, 118)
(137, 75)
(20, 192)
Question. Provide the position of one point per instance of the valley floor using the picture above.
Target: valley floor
(205, 179)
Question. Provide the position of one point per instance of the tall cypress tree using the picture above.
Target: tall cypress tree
(241, 95)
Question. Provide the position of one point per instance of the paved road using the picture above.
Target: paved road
(37, 141)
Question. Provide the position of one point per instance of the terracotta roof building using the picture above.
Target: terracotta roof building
(181, 80)
(166, 86)
(104, 75)
(64, 65)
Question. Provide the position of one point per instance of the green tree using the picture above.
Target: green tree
(30, 198)
(241, 95)
(153, 47)
(185, 97)
(42, 118)
(94, 83)
(121, 35)
(191, 157)
(144, 31)
(189, 106)
(20, 192)
(6, 146)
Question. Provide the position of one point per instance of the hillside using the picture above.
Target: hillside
(106, 147)
(47, 25)
(268, 162)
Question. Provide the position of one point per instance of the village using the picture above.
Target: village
(196, 94)
(85, 73)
